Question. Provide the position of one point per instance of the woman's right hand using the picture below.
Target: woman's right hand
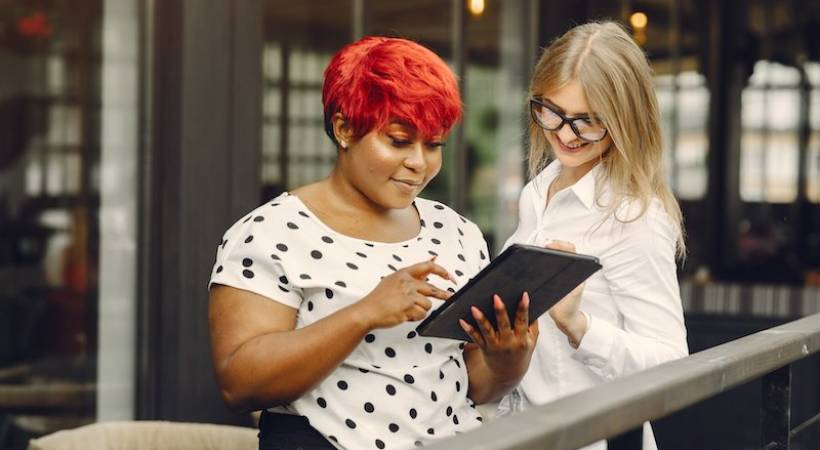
(402, 296)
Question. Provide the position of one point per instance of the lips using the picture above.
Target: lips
(410, 182)
(571, 149)
(408, 186)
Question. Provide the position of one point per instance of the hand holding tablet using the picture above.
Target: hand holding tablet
(546, 275)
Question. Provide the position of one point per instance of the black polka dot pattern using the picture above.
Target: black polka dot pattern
(398, 388)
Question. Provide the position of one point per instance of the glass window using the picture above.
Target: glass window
(300, 38)
(683, 94)
(769, 148)
(68, 152)
(49, 228)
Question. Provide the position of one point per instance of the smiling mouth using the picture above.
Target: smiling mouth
(572, 147)
(408, 182)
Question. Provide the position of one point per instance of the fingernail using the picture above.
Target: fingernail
(475, 311)
(463, 324)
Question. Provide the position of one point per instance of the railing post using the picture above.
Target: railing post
(775, 412)
(630, 440)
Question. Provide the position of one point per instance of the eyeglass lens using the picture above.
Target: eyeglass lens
(552, 121)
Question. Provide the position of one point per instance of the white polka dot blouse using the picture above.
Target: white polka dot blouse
(396, 389)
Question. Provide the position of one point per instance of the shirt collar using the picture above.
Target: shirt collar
(584, 189)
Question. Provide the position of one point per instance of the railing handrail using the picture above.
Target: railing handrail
(619, 406)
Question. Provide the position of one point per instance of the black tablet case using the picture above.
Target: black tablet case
(547, 275)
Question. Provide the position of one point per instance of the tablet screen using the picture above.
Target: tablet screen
(547, 275)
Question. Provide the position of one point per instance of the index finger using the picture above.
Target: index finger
(422, 269)
(522, 315)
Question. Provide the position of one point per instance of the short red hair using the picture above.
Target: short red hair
(376, 80)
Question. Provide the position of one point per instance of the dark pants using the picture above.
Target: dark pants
(289, 432)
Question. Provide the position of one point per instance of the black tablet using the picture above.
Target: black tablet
(547, 275)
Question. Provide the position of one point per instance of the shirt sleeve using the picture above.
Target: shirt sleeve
(641, 272)
(243, 261)
(476, 248)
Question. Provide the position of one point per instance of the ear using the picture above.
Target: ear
(342, 130)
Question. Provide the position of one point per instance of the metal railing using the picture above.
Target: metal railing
(616, 411)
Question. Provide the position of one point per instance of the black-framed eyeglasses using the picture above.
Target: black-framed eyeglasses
(587, 129)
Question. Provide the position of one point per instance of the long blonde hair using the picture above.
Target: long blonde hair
(617, 81)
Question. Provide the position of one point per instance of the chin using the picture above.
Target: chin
(400, 203)
(392, 201)
(574, 160)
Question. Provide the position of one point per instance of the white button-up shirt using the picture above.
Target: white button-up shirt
(633, 303)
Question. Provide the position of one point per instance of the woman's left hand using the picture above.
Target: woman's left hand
(566, 313)
(507, 349)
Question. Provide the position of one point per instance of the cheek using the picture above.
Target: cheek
(380, 160)
(433, 163)
(601, 147)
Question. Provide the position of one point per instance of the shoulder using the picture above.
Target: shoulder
(442, 214)
(645, 225)
(272, 213)
(282, 219)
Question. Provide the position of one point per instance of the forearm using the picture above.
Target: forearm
(613, 352)
(488, 384)
(277, 368)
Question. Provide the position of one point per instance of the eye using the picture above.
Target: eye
(435, 145)
(399, 142)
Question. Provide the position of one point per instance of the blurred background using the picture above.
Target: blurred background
(134, 132)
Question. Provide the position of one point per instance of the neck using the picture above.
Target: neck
(346, 196)
(570, 175)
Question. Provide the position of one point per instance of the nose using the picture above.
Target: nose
(415, 158)
(566, 134)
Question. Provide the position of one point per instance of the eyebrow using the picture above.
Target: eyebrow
(563, 111)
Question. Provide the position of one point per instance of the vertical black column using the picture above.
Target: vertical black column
(775, 415)
(726, 80)
(460, 183)
(200, 172)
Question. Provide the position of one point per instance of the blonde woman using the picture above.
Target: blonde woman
(595, 116)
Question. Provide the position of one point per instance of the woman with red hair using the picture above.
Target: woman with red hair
(315, 295)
